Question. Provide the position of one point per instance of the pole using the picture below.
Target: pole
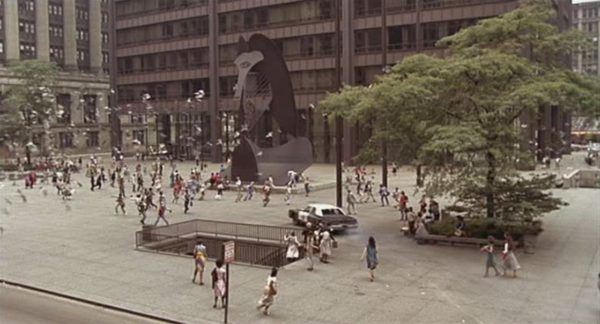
(226, 292)
(384, 148)
(339, 123)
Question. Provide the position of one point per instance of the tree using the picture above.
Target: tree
(30, 105)
(463, 110)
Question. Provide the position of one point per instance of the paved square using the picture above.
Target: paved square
(86, 251)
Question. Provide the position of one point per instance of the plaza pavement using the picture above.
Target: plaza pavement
(81, 248)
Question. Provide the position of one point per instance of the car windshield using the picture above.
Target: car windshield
(332, 212)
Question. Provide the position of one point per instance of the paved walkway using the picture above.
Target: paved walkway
(81, 248)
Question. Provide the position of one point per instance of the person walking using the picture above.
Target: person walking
(508, 255)
(240, 188)
(383, 194)
(370, 253)
(490, 261)
(120, 204)
(141, 206)
(368, 192)
(325, 246)
(309, 239)
(249, 191)
(288, 194)
(293, 247)
(402, 204)
(220, 188)
(306, 186)
(412, 217)
(351, 200)
(200, 257)
(187, 201)
(219, 276)
(269, 292)
(162, 209)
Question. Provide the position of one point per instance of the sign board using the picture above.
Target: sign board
(228, 251)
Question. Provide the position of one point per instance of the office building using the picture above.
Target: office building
(170, 49)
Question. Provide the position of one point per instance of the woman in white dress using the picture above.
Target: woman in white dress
(293, 252)
(269, 292)
(508, 256)
(325, 246)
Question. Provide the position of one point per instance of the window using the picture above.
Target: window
(105, 38)
(89, 109)
(92, 139)
(27, 50)
(65, 139)
(26, 27)
(137, 119)
(1, 47)
(105, 58)
(139, 135)
(63, 102)
(26, 5)
(105, 18)
(55, 9)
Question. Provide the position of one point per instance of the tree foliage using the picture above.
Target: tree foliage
(460, 115)
(30, 104)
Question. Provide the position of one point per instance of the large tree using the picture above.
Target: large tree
(29, 106)
(469, 104)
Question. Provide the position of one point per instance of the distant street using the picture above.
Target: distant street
(25, 306)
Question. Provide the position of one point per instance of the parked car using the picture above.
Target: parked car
(593, 149)
(332, 217)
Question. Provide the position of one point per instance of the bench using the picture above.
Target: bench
(431, 238)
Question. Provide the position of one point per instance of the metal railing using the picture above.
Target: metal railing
(255, 244)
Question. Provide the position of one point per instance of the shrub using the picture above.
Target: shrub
(484, 227)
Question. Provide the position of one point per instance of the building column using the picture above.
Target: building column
(42, 26)
(95, 12)
(213, 100)
(70, 34)
(11, 30)
(348, 75)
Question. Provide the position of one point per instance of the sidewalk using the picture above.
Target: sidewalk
(87, 251)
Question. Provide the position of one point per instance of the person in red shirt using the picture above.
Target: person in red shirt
(403, 200)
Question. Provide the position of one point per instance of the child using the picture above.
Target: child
(491, 259)
(120, 203)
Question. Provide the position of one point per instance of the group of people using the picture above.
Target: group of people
(219, 279)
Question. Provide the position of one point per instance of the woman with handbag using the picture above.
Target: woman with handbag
(269, 293)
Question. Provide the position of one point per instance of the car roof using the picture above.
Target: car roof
(322, 206)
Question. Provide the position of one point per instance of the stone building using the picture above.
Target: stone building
(74, 34)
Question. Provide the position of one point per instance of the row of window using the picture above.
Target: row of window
(585, 13)
(163, 61)
(27, 50)
(364, 8)
(83, 34)
(66, 139)
(57, 54)
(82, 13)
(56, 31)
(131, 7)
(27, 27)
(174, 29)
(26, 5)
(55, 9)
(293, 13)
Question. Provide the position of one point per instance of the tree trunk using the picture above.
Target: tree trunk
(419, 175)
(490, 203)
(28, 155)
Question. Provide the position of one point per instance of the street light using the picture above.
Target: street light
(339, 123)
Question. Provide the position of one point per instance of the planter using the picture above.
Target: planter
(528, 242)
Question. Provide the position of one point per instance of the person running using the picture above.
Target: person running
(141, 207)
(368, 192)
(121, 204)
(370, 254)
(269, 293)
(490, 261)
(266, 194)
(508, 255)
(293, 247)
(220, 188)
(219, 275)
(200, 257)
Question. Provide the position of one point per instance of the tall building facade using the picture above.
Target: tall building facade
(166, 50)
(586, 17)
(74, 35)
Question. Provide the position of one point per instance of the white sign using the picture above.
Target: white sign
(229, 251)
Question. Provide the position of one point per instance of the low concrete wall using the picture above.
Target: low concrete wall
(582, 179)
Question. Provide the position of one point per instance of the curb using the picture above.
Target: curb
(90, 302)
